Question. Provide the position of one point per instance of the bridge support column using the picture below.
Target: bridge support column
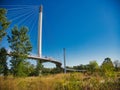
(39, 68)
(64, 55)
(40, 32)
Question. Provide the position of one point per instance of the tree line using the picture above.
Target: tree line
(107, 68)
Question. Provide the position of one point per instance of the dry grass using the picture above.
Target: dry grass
(71, 81)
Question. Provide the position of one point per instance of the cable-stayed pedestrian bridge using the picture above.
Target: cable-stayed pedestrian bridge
(26, 15)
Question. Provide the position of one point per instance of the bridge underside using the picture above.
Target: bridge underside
(58, 64)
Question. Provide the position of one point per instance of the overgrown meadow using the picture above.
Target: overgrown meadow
(69, 81)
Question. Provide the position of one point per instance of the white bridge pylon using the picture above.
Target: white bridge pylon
(40, 32)
(39, 57)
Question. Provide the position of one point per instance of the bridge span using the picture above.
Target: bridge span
(46, 59)
(42, 59)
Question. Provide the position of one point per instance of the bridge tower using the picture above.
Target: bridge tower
(40, 32)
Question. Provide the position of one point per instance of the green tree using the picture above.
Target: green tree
(79, 67)
(3, 62)
(29, 68)
(56, 70)
(4, 23)
(46, 71)
(20, 46)
(107, 67)
(93, 66)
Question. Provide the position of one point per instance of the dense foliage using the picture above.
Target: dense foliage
(3, 62)
(39, 68)
(20, 46)
(4, 23)
(107, 67)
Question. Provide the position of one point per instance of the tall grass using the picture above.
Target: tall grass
(71, 81)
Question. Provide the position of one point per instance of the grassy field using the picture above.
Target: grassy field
(70, 81)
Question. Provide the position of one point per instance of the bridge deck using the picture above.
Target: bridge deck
(46, 60)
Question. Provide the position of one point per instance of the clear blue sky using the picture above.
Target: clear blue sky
(88, 29)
